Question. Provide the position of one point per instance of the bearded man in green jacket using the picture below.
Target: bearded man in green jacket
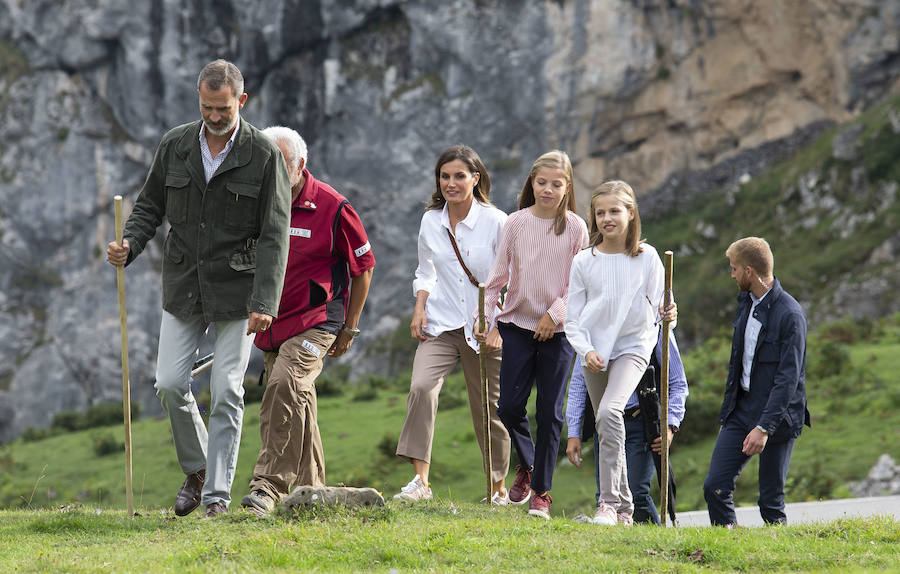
(225, 191)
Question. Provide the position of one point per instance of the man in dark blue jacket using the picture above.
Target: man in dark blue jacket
(765, 397)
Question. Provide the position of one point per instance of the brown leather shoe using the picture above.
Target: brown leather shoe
(215, 509)
(188, 497)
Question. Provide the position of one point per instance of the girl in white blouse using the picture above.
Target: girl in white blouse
(615, 289)
(446, 298)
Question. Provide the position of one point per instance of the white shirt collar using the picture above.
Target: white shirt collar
(471, 217)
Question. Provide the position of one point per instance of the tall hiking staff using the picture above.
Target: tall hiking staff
(664, 396)
(485, 399)
(126, 385)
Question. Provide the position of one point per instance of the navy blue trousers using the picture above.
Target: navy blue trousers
(728, 461)
(526, 363)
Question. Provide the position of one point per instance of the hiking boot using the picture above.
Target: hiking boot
(605, 515)
(624, 519)
(258, 502)
(415, 490)
(521, 488)
(540, 505)
(215, 509)
(188, 497)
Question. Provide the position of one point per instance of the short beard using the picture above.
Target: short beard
(222, 131)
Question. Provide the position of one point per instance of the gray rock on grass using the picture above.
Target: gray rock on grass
(309, 496)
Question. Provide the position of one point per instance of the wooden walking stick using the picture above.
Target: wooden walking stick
(126, 386)
(485, 398)
(664, 397)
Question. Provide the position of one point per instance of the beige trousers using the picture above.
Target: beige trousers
(291, 452)
(609, 391)
(435, 358)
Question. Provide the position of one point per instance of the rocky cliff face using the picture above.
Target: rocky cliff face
(648, 90)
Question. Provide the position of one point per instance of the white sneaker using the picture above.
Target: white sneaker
(605, 515)
(415, 490)
(497, 500)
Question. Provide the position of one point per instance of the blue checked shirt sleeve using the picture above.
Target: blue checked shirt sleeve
(678, 386)
(575, 402)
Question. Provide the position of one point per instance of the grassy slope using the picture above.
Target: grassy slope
(435, 536)
(823, 216)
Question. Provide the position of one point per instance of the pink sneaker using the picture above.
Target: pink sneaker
(605, 515)
(540, 505)
(624, 519)
(521, 488)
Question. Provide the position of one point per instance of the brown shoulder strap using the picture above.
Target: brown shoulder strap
(466, 269)
(459, 257)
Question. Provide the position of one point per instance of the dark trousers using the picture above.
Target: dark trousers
(640, 469)
(527, 362)
(728, 461)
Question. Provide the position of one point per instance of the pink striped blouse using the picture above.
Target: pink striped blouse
(534, 262)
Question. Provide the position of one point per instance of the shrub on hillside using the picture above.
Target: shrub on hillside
(96, 415)
(253, 390)
(706, 368)
(849, 330)
(33, 434)
(366, 394)
(106, 444)
(826, 358)
(108, 413)
(332, 381)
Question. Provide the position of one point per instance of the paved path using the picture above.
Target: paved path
(800, 512)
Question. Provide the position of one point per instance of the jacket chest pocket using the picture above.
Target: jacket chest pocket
(177, 189)
(241, 204)
(767, 352)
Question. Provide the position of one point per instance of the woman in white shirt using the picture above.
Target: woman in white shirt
(446, 299)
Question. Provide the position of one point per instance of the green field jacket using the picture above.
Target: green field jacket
(227, 245)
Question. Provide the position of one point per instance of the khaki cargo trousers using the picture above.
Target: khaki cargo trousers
(291, 453)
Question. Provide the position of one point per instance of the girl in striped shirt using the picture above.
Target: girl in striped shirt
(533, 260)
(615, 289)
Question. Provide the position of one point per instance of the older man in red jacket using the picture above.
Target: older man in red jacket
(329, 270)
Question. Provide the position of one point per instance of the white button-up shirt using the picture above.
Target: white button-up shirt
(452, 299)
(751, 335)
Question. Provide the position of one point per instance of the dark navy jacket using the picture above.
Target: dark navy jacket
(778, 374)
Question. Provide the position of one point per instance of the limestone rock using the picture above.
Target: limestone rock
(675, 96)
(883, 479)
(307, 496)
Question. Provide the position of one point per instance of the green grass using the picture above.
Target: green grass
(856, 418)
(436, 536)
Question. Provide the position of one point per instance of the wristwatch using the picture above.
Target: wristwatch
(354, 333)
(762, 430)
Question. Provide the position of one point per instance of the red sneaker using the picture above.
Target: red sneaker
(521, 488)
(540, 505)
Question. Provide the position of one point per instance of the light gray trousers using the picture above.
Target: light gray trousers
(217, 450)
(609, 391)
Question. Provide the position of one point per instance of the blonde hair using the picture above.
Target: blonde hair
(623, 192)
(555, 159)
(753, 252)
